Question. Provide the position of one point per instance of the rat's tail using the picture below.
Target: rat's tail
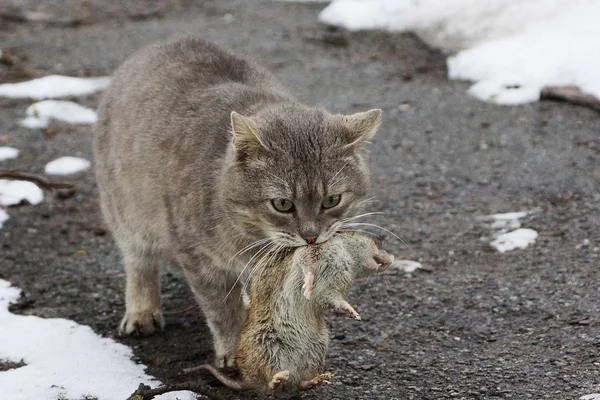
(224, 379)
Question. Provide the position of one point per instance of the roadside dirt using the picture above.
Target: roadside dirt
(475, 324)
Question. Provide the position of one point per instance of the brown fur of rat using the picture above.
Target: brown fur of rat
(283, 330)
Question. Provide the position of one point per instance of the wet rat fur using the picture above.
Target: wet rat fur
(284, 339)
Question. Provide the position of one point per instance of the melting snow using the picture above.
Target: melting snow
(6, 153)
(511, 48)
(39, 114)
(507, 221)
(65, 360)
(53, 86)
(407, 265)
(3, 217)
(593, 396)
(517, 239)
(66, 166)
(14, 192)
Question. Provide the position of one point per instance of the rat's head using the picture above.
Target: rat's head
(366, 250)
(295, 172)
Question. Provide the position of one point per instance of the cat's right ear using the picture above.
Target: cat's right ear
(361, 127)
(245, 135)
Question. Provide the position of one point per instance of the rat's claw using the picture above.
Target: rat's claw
(278, 378)
(343, 305)
(317, 380)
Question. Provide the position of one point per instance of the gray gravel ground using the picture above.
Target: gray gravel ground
(475, 324)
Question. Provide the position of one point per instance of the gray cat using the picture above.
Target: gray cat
(204, 160)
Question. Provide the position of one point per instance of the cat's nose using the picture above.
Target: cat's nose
(310, 238)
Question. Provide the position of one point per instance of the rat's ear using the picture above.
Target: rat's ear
(245, 135)
(361, 127)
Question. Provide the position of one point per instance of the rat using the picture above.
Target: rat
(284, 340)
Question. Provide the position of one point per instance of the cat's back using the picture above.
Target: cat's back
(187, 62)
(164, 119)
(179, 84)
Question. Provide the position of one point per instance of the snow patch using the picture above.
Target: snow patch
(407, 266)
(14, 192)
(505, 93)
(511, 48)
(3, 217)
(39, 114)
(7, 153)
(65, 360)
(507, 221)
(517, 239)
(593, 396)
(53, 86)
(66, 166)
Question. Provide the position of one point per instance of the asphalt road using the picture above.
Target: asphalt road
(475, 324)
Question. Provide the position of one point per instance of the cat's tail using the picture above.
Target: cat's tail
(224, 379)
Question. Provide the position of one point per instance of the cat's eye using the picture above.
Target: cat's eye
(282, 205)
(332, 201)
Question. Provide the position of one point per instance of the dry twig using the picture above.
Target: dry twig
(38, 17)
(38, 180)
(17, 68)
(570, 94)
(144, 392)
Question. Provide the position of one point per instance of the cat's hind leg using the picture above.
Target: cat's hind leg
(142, 297)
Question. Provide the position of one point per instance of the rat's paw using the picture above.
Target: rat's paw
(379, 263)
(342, 305)
(309, 278)
(278, 379)
(383, 260)
(141, 323)
(322, 379)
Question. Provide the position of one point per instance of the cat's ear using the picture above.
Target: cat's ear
(361, 127)
(245, 135)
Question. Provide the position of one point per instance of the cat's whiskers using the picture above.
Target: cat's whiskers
(264, 261)
(248, 248)
(360, 216)
(333, 181)
(359, 230)
(371, 199)
(262, 250)
(278, 178)
(353, 224)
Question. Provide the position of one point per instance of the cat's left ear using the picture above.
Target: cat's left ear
(245, 134)
(361, 127)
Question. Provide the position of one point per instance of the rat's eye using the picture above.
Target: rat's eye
(282, 205)
(332, 201)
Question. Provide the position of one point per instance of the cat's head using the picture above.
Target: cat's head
(294, 173)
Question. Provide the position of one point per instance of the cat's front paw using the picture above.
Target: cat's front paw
(225, 360)
(141, 323)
